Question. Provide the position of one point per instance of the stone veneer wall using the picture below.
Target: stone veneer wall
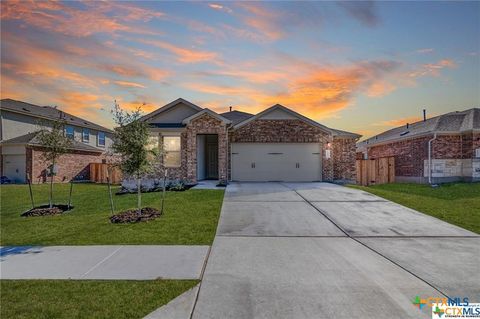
(205, 124)
(73, 165)
(344, 157)
(286, 131)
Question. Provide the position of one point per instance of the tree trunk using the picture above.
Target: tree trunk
(70, 195)
(139, 194)
(163, 190)
(51, 184)
(112, 208)
(31, 193)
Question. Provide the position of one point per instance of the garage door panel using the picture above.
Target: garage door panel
(276, 162)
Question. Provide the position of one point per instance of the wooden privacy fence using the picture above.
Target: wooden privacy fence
(100, 171)
(376, 171)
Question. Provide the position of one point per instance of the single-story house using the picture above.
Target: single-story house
(277, 144)
(22, 156)
(443, 148)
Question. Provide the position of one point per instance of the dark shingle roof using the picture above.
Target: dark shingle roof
(49, 113)
(236, 116)
(31, 139)
(458, 121)
(341, 133)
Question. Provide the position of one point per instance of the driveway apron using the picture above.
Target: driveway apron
(319, 250)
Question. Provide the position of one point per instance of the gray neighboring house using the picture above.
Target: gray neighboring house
(21, 155)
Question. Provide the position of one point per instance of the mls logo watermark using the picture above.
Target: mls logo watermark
(455, 307)
(451, 310)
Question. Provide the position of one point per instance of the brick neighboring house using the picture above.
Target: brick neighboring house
(277, 144)
(21, 154)
(455, 148)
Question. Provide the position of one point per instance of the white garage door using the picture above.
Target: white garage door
(288, 162)
(14, 167)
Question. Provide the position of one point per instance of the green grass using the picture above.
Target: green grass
(456, 203)
(190, 217)
(86, 299)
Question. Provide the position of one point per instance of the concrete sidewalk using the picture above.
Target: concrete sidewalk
(318, 250)
(114, 262)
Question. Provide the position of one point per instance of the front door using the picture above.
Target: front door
(211, 152)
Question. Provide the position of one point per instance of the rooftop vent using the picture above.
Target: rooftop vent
(404, 133)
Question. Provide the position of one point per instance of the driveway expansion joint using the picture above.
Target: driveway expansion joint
(368, 247)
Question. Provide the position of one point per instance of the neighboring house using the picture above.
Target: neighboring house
(21, 155)
(277, 144)
(455, 148)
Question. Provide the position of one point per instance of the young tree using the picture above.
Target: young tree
(55, 144)
(157, 160)
(129, 141)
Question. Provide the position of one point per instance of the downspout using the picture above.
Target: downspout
(430, 158)
(227, 151)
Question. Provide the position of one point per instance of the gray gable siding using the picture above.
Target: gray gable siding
(174, 115)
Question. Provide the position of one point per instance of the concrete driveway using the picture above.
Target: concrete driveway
(318, 250)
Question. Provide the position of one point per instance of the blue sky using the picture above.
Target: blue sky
(357, 66)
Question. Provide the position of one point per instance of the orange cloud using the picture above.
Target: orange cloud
(432, 69)
(264, 20)
(183, 55)
(65, 19)
(146, 107)
(315, 91)
(398, 122)
(129, 84)
(380, 88)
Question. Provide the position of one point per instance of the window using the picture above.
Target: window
(477, 152)
(171, 147)
(69, 132)
(153, 142)
(86, 135)
(101, 139)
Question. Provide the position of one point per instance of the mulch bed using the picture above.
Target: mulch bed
(135, 216)
(45, 210)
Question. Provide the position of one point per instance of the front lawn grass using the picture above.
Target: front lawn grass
(190, 217)
(456, 203)
(87, 298)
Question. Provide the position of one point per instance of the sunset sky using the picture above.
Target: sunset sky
(358, 66)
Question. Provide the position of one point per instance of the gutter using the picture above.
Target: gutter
(430, 158)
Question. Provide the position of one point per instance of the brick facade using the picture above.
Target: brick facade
(412, 154)
(343, 150)
(205, 124)
(289, 131)
(409, 155)
(71, 166)
(263, 131)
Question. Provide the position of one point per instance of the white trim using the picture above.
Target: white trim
(104, 138)
(162, 136)
(85, 140)
(209, 112)
(169, 106)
